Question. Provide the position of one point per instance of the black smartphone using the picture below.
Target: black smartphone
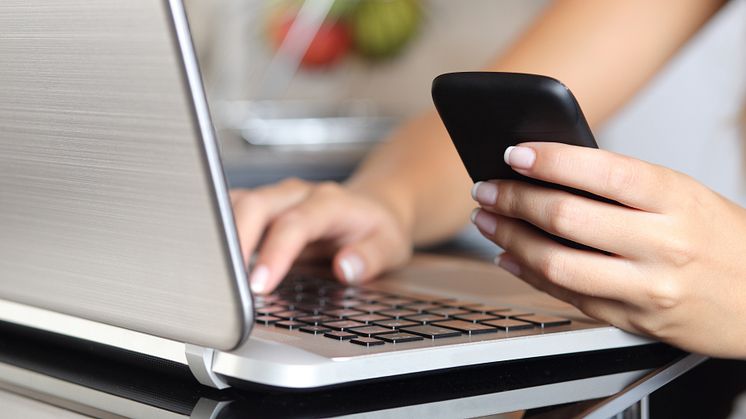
(486, 112)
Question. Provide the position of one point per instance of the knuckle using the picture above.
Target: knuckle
(678, 251)
(506, 199)
(328, 188)
(293, 218)
(553, 160)
(249, 201)
(648, 325)
(588, 307)
(665, 293)
(294, 183)
(620, 178)
(562, 215)
(503, 236)
(553, 267)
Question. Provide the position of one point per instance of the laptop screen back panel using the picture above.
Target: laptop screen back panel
(113, 205)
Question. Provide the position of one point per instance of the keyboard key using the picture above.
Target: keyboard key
(544, 321)
(370, 297)
(267, 320)
(425, 318)
(509, 325)
(397, 313)
(367, 341)
(430, 331)
(310, 308)
(307, 297)
(269, 310)
(349, 292)
(441, 301)
(290, 314)
(342, 313)
(461, 304)
(315, 329)
(345, 303)
(369, 330)
(511, 314)
(285, 303)
(476, 317)
(447, 311)
(371, 308)
(395, 301)
(317, 319)
(466, 327)
(397, 323)
(340, 335)
(369, 318)
(343, 325)
(420, 307)
(485, 309)
(399, 337)
(290, 324)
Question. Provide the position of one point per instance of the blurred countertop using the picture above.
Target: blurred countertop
(248, 165)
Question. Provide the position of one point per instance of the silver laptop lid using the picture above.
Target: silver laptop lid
(113, 205)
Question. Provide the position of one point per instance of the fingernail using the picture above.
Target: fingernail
(484, 221)
(484, 192)
(508, 265)
(352, 267)
(258, 279)
(520, 157)
(473, 215)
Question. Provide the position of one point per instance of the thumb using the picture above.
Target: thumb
(364, 260)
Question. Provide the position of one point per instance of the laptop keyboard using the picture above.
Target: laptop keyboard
(368, 317)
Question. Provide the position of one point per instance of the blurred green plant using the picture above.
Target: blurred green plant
(376, 29)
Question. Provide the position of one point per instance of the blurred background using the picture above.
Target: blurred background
(283, 113)
(368, 64)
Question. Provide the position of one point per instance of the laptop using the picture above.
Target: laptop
(117, 228)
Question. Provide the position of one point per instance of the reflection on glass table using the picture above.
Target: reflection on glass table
(83, 379)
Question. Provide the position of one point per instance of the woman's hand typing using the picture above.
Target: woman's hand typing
(284, 221)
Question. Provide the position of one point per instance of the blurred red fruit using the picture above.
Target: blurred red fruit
(331, 42)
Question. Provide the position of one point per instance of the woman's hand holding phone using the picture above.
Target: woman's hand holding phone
(675, 264)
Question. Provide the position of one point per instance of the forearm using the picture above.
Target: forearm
(417, 173)
(603, 50)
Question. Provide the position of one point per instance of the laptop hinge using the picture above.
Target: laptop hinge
(200, 360)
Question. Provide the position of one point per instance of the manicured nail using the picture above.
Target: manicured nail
(520, 157)
(353, 268)
(484, 192)
(473, 215)
(508, 265)
(485, 221)
(258, 279)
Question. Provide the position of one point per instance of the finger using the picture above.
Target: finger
(287, 236)
(511, 264)
(606, 310)
(623, 179)
(365, 259)
(597, 224)
(585, 272)
(253, 209)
